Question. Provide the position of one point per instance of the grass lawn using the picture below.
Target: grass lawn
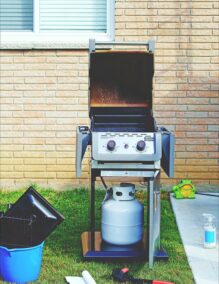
(62, 252)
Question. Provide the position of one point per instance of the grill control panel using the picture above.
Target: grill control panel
(116, 146)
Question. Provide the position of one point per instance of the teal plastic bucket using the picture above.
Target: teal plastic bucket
(21, 265)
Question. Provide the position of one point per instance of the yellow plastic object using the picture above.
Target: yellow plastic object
(185, 189)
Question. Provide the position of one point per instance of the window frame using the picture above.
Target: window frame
(53, 39)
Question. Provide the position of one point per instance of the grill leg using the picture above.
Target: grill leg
(153, 218)
(92, 210)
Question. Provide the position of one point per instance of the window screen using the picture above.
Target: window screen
(16, 15)
(73, 15)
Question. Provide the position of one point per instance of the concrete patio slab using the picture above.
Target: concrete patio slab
(188, 212)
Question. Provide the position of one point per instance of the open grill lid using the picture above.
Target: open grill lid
(121, 91)
(121, 79)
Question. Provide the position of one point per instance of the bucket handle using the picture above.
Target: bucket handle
(5, 251)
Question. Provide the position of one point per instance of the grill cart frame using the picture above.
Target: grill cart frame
(120, 117)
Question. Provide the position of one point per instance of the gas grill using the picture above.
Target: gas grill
(125, 140)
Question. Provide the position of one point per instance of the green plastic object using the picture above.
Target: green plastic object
(185, 189)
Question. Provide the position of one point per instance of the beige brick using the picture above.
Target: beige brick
(162, 5)
(201, 19)
(11, 175)
(63, 154)
(60, 168)
(202, 53)
(6, 59)
(40, 80)
(194, 101)
(216, 19)
(203, 107)
(6, 140)
(39, 147)
(212, 121)
(30, 59)
(6, 168)
(26, 140)
(29, 154)
(204, 94)
(202, 161)
(12, 66)
(11, 53)
(45, 95)
(189, 155)
(208, 148)
(202, 12)
(25, 87)
(191, 127)
(197, 5)
(163, 32)
(196, 32)
(60, 59)
(193, 168)
(77, 53)
(6, 154)
(65, 161)
(205, 175)
(11, 134)
(10, 161)
(28, 114)
(40, 175)
(202, 38)
(30, 168)
(11, 147)
(39, 161)
(65, 175)
(192, 75)
(6, 87)
(194, 60)
(37, 134)
(174, 12)
(37, 66)
(140, 12)
(61, 73)
(195, 46)
(168, 80)
(38, 107)
(141, 25)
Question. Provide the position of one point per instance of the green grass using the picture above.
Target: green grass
(62, 252)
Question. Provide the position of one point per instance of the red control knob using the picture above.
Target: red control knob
(141, 145)
(111, 145)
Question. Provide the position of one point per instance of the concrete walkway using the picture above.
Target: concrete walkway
(188, 212)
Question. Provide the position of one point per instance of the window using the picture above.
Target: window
(56, 20)
(16, 15)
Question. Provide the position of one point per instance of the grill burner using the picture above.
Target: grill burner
(125, 142)
(116, 119)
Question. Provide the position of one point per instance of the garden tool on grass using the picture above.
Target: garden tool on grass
(122, 275)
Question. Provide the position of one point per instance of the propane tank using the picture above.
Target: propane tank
(122, 216)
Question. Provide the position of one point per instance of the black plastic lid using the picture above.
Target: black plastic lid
(32, 205)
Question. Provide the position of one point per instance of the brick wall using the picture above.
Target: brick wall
(44, 95)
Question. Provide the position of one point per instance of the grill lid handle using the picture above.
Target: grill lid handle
(150, 44)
